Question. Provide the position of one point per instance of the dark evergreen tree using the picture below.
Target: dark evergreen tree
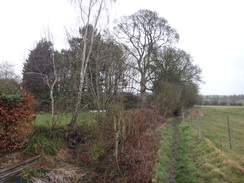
(37, 68)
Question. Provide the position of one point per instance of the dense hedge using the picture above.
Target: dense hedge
(16, 116)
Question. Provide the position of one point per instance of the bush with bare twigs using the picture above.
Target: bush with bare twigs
(132, 157)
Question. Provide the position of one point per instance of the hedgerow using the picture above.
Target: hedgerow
(16, 118)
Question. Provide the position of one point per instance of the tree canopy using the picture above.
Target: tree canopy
(97, 67)
(142, 34)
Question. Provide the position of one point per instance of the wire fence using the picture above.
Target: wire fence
(224, 128)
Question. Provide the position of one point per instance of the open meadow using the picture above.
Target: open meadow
(214, 126)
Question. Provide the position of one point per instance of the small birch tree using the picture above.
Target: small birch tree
(41, 63)
(90, 13)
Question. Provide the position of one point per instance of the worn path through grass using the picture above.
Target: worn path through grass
(188, 158)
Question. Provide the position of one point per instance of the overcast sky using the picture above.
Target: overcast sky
(212, 31)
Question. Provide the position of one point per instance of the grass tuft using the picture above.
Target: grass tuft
(44, 141)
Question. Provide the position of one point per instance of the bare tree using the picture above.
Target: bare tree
(90, 12)
(52, 79)
(7, 71)
(141, 34)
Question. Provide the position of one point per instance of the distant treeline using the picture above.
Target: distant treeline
(232, 100)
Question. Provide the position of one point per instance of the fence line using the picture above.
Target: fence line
(228, 124)
(188, 115)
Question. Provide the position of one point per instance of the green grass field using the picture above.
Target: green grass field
(213, 122)
(44, 119)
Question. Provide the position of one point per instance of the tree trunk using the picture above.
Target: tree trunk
(143, 96)
(86, 52)
(53, 110)
(51, 87)
(73, 122)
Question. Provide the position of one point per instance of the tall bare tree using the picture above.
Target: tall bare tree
(7, 71)
(90, 13)
(141, 34)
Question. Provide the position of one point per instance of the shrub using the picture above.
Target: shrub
(168, 98)
(16, 111)
(96, 153)
(44, 141)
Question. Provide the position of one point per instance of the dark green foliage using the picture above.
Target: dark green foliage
(96, 153)
(10, 90)
(49, 133)
(37, 68)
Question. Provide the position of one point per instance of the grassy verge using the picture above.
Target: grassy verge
(198, 159)
(165, 154)
(213, 121)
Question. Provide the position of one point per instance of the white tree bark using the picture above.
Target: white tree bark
(89, 15)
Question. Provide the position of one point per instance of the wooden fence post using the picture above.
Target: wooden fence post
(228, 124)
(199, 126)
